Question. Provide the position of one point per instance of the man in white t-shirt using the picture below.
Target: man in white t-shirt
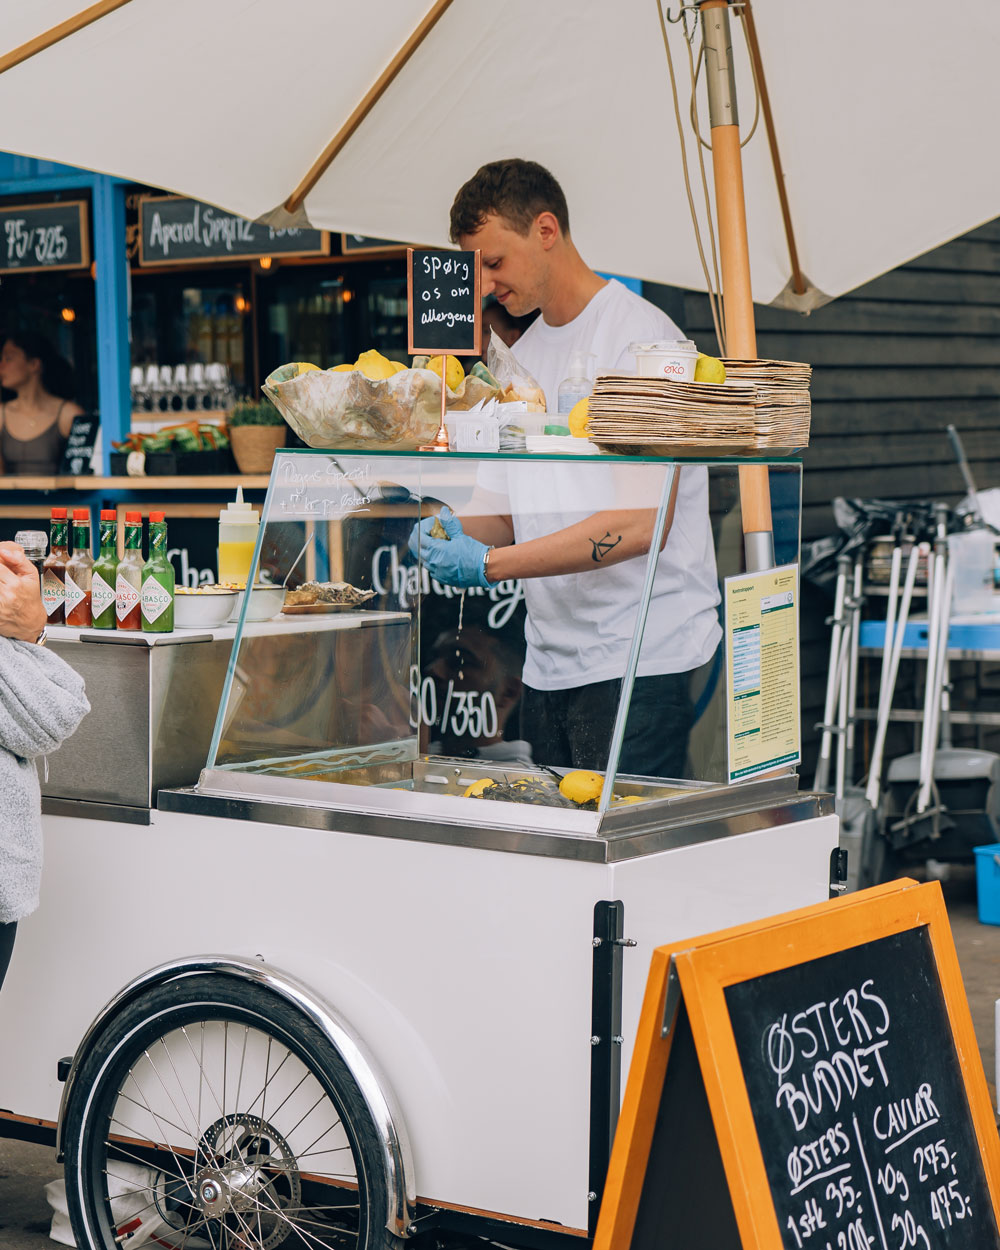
(579, 534)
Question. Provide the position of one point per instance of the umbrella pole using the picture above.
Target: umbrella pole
(737, 297)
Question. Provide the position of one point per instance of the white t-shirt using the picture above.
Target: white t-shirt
(579, 626)
(614, 318)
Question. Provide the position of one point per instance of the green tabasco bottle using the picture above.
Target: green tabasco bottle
(157, 597)
(128, 580)
(105, 573)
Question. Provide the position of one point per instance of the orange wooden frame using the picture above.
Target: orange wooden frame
(704, 968)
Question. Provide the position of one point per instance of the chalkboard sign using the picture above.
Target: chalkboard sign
(445, 304)
(362, 244)
(34, 237)
(811, 1082)
(178, 231)
(80, 445)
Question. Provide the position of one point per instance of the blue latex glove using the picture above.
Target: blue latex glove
(454, 561)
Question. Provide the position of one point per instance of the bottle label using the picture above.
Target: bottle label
(74, 594)
(126, 597)
(155, 599)
(102, 596)
(53, 593)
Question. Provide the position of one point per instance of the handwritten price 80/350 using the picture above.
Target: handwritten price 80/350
(48, 244)
(471, 712)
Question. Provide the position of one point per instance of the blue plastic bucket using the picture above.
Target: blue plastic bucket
(988, 882)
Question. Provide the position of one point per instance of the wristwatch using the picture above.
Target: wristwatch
(486, 567)
(42, 638)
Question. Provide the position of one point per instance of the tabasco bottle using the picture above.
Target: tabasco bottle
(54, 568)
(128, 581)
(79, 571)
(157, 597)
(102, 586)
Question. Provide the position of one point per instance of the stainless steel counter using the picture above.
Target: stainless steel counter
(153, 700)
(628, 833)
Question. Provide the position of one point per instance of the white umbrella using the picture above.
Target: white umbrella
(880, 116)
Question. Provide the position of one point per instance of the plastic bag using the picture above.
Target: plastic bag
(347, 410)
(516, 383)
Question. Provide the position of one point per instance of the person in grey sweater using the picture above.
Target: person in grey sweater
(42, 701)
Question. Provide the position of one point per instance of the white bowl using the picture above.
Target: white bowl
(203, 611)
(265, 602)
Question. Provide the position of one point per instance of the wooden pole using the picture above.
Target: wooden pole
(55, 33)
(741, 337)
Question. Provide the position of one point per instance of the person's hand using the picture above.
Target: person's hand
(454, 561)
(22, 614)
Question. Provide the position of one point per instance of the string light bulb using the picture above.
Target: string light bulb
(266, 262)
(68, 314)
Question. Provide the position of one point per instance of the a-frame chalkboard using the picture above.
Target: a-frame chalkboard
(809, 1082)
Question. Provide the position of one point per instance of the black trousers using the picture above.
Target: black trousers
(572, 728)
(7, 933)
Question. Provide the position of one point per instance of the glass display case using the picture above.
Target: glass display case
(584, 694)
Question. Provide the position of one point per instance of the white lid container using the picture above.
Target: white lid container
(671, 358)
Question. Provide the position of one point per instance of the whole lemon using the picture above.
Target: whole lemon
(477, 787)
(709, 369)
(454, 373)
(577, 419)
(398, 367)
(374, 366)
(341, 369)
(581, 786)
(302, 367)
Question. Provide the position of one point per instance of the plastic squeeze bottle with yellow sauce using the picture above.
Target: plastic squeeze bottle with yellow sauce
(238, 524)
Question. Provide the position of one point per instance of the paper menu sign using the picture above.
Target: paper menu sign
(762, 671)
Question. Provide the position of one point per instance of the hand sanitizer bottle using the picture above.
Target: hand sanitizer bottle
(577, 385)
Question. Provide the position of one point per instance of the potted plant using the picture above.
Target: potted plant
(256, 431)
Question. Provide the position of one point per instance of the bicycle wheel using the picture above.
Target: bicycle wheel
(211, 1115)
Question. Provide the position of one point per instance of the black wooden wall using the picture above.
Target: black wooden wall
(894, 362)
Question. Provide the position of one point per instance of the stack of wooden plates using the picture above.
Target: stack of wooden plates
(762, 406)
(782, 404)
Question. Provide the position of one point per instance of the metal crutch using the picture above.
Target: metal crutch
(836, 622)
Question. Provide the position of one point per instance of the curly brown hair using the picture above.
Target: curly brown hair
(515, 190)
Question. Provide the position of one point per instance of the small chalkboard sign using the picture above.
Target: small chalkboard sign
(174, 230)
(79, 447)
(444, 300)
(810, 1082)
(52, 236)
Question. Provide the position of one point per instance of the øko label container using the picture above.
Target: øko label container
(673, 359)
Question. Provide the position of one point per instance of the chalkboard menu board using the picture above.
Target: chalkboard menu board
(34, 237)
(178, 231)
(859, 1103)
(79, 447)
(808, 1082)
(445, 304)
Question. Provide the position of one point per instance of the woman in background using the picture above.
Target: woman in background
(35, 425)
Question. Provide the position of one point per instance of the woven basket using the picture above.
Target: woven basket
(254, 446)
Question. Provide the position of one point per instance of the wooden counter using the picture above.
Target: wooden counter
(175, 482)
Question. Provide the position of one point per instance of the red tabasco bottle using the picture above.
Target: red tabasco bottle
(128, 582)
(79, 571)
(54, 569)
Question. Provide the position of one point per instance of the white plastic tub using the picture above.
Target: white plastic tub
(674, 359)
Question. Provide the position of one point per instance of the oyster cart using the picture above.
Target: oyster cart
(329, 995)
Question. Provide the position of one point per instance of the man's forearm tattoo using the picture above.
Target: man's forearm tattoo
(604, 546)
